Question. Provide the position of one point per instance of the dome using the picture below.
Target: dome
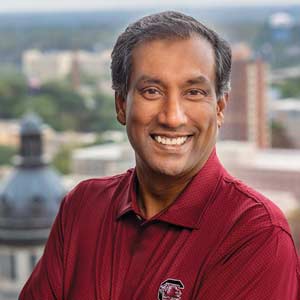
(31, 124)
(30, 196)
(29, 201)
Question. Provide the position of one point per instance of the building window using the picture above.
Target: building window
(33, 261)
(8, 266)
(13, 274)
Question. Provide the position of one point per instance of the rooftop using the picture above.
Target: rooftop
(286, 104)
(233, 152)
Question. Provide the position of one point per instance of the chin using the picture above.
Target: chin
(172, 170)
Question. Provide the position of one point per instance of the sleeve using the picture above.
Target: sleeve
(265, 267)
(45, 282)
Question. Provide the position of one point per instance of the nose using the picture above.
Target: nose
(172, 113)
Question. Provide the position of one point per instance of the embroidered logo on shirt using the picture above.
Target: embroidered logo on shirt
(170, 289)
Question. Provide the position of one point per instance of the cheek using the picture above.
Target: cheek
(137, 117)
(138, 120)
(132, 113)
(204, 118)
(141, 112)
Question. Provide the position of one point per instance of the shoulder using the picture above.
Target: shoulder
(250, 224)
(102, 183)
(96, 192)
(255, 205)
(242, 215)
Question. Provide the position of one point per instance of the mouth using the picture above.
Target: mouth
(170, 141)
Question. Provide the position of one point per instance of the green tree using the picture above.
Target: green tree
(280, 138)
(12, 91)
(290, 88)
(43, 105)
(103, 116)
(6, 154)
(70, 108)
(62, 160)
(58, 105)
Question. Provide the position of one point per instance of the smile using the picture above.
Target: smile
(170, 141)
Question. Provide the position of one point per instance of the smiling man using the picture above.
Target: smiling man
(178, 226)
(171, 113)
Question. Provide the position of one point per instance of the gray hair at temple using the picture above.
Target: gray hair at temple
(167, 25)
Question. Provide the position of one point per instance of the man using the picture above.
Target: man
(178, 226)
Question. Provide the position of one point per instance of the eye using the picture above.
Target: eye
(195, 94)
(151, 93)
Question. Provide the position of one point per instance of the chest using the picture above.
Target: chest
(130, 260)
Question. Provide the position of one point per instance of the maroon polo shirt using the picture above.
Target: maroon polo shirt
(218, 240)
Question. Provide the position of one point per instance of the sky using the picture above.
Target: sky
(79, 5)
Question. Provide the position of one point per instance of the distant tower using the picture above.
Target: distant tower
(75, 71)
(281, 25)
(29, 201)
(246, 117)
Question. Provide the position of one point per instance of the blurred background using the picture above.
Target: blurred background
(57, 119)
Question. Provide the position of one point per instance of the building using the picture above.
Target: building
(281, 25)
(48, 66)
(95, 64)
(102, 160)
(53, 141)
(246, 116)
(273, 172)
(10, 136)
(56, 65)
(29, 200)
(9, 133)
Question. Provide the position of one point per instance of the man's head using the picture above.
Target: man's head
(167, 25)
(171, 84)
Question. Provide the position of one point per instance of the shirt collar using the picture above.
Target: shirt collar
(187, 209)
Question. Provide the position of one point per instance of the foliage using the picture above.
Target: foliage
(12, 91)
(289, 88)
(6, 154)
(67, 106)
(62, 160)
(53, 37)
(279, 136)
(58, 105)
(104, 110)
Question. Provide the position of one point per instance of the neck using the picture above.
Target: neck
(155, 193)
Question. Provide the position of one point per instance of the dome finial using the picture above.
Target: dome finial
(31, 147)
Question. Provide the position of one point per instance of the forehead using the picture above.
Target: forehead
(174, 59)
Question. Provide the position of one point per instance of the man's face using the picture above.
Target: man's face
(171, 110)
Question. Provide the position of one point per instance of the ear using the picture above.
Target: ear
(120, 104)
(221, 104)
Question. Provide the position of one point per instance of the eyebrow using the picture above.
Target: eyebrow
(198, 80)
(148, 79)
(152, 80)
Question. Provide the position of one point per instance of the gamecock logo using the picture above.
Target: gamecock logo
(170, 289)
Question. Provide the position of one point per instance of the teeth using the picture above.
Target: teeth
(170, 141)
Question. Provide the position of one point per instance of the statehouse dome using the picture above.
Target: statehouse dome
(31, 124)
(30, 196)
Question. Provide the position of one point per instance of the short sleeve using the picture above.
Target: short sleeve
(263, 267)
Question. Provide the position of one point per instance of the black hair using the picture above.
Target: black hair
(167, 25)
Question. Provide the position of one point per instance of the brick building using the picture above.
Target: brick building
(246, 117)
